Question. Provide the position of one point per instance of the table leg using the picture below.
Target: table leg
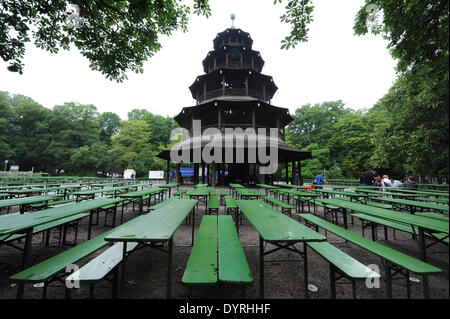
(305, 268)
(261, 268)
(169, 272)
(193, 224)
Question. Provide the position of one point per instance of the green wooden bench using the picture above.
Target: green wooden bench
(373, 221)
(54, 268)
(180, 193)
(112, 210)
(343, 265)
(61, 224)
(222, 193)
(285, 208)
(433, 215)
(393, 260)
(230, 205)
(217, 256)
(102, 268)
(370, 203)
(52, 204)
(213, 204)
(327, 209)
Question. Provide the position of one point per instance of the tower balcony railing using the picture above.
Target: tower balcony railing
(243, 126)
(231, 92)
(236, 65)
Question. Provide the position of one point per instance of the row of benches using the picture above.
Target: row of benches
(106, 263)
(98, 269)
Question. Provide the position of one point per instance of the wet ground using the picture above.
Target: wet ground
(146, 274)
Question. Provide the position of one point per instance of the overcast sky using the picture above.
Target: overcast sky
(334, 64)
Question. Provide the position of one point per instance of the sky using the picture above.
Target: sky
(334, 64)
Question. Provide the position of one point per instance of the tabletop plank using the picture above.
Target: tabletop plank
(274, 226)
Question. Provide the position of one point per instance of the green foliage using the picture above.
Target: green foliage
(115, 36)
(298, 15)
(416, 131)
(110, 123)
(417, 30)
(78, 139)
(130, 148)
(314, 124)
(320, 160)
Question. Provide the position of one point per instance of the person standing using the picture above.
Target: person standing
(366, 178)
(411, 183)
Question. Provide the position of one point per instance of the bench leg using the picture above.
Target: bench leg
(44, 291)
(388, 279)
(332, 282)
(408, 286)
(169, 272)
(426, 291)
(305, 264)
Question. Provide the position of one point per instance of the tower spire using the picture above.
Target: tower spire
(233, 16)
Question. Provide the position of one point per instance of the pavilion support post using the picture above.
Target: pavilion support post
(203, 173)
(213, 175)
(195, 173)
(287, 172)
(293, 176)
(178, 174)
(168, 172)
(299, 165)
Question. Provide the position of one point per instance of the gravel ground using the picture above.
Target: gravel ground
(146, 274)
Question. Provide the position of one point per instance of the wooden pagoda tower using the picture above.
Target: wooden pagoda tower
(234, 93)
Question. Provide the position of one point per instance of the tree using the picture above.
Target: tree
(130, 148)
(7, 129)
(33, 135)
(72, 125)
(314, 124)
(110, 123)
(115, 36)
(415, 135)
(352, 140)
(320, 160)
(417, 30)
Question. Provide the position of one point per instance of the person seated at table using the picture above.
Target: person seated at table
(386, 182)
(397, 183)
(319, 179)
(411, 183)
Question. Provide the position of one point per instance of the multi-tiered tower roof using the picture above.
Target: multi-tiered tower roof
(234, 92)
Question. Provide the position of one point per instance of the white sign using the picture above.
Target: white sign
(156, 175)
(129, 174)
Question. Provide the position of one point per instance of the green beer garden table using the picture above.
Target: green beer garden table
(279, 230)
(23, 202)
(153, 230)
